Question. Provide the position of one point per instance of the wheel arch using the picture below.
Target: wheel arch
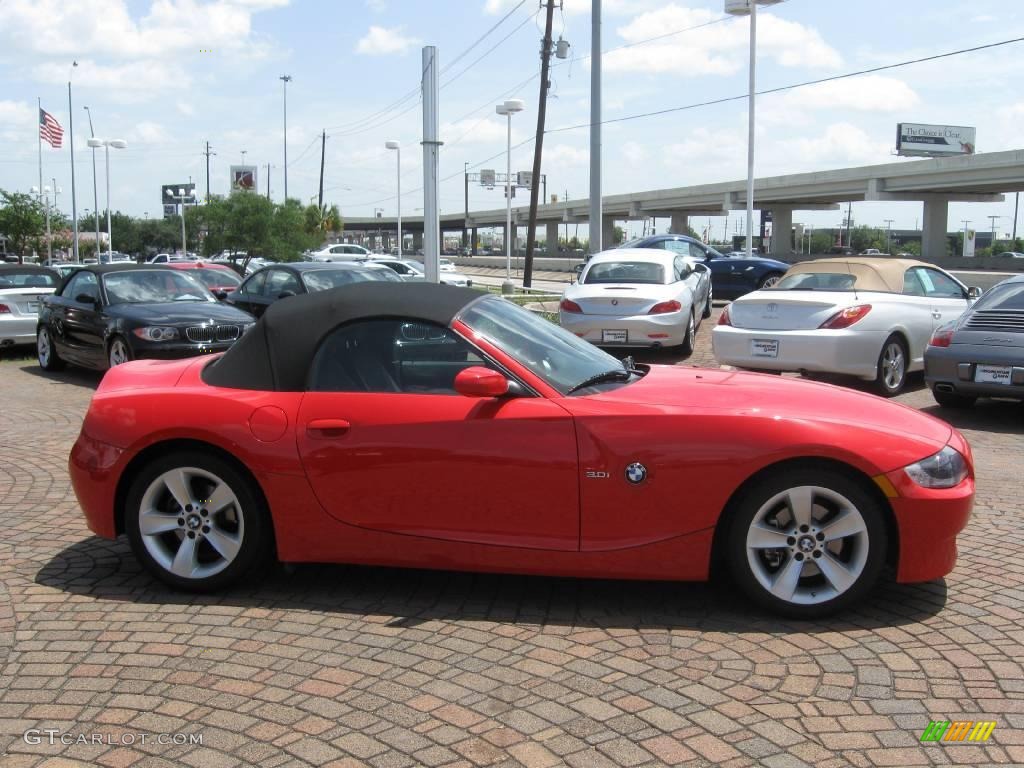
(164, 447)
(718, 544)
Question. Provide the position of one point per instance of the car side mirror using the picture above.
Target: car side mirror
(86, 298)
(221, 295)
(974, 292)
(477, 381)
(685, 271)
(285, 294)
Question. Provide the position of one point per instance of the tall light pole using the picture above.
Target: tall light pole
(749, 8)
(107, 144)
(398, 182)
(508, 108)
(181, 197)
(95, 194)
(285, 79)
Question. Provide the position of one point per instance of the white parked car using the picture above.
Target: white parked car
(22, 288)
(447, 265)
(638, 297)
(341, 252)
(413, 271)
(857, 316)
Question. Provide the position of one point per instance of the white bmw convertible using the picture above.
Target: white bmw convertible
(864, 317)
(638, 297)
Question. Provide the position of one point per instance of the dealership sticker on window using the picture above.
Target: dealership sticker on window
(764, 348)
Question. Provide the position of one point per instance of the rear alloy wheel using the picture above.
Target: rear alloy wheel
(707, 307)
(892, 367)
(807, 544)
(193, 521)
(953, 399)
(119, 352)
(45, 351)
(769, 280)
(690, 340)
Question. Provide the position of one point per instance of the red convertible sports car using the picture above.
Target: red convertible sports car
(437, 427)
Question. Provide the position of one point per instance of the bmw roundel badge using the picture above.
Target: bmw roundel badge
(636, 472)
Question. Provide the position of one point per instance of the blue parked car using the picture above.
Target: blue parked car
(731, 276)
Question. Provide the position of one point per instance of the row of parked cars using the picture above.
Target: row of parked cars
(876, 319)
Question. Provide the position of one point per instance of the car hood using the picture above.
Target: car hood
(173, 312)
(793, 401)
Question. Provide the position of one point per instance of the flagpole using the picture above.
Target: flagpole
(39, 139)
(74, 206)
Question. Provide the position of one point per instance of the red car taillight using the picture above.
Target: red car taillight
(844, 318)
(4, 309)
(570, 306)
(724, 319)
(664, 307)
(941, 338)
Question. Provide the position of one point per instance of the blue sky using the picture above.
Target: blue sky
(168, 75)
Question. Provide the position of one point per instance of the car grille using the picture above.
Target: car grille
(209, 333)
(997, 320)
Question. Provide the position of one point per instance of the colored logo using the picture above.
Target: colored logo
(958, 730)
(636, 473)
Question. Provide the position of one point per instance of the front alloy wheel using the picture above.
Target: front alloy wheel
(119, 352)
(45, 353)
(807, 544)
(194, 523)
(892, 368)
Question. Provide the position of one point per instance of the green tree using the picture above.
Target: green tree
(321, 221)
(289, 235)
(619, 235)
(21, 219)
(821, 242)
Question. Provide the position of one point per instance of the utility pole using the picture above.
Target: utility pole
(538, 147)
(323, 151)
(208, 152)
(596, 222)
(465, 215)
(285, 79)
(992, 245)
(1016, 206)
(268, 181)
(888, 235)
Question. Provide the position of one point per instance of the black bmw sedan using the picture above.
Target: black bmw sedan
(731, 276)
(105, 315)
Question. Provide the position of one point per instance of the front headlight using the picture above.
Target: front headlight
(945, 469)
(157, 333)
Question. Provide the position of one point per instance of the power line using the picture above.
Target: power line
(480, 39)
(793, 86)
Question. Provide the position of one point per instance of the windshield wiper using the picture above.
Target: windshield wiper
(615, 374)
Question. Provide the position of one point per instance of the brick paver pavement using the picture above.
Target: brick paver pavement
(348, 666)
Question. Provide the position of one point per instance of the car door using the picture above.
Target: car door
(281, 283)
(916, 313)
(388, 444)
(80, 332)
(726, 280)
(249, 296)
(948, 297)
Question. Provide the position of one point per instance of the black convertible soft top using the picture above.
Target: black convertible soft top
(277, 353)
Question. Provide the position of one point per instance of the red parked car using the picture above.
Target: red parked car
(437, 427)
(219, 278)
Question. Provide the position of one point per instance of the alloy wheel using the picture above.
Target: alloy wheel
(191, 522)
(119, 353)
(43, 347)
(769, 281)
(807, 545)
(894, 366)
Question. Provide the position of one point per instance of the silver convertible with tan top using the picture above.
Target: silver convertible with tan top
(858, 316)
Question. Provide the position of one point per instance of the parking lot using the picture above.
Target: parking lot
(351, 666)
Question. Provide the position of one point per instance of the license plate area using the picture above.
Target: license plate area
(764, 348)
(992, 374)
(614, 336)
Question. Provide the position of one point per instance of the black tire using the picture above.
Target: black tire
(50, 361)
(690, 340)
(247, 520)
(119, 343)
(953, 399)
(866, 550)
(769, 280)
(887, 383)
(707, 307)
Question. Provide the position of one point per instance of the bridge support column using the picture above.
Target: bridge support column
(782, 233)
(933, 234)
(417, 241)
(607, 232)
(474, 239)
(552, 238)
(680, 224)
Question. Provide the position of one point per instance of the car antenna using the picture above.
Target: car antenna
(854, 285)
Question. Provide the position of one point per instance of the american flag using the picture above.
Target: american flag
(49, 129)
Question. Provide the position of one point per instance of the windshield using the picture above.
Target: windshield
(153, 286)
(815, 281)
(625, 272)
(323, 279)
(554, 354)
(217, 278)
(27, 279)
(1006, 296)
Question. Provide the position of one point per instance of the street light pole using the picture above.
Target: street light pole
(45, 191)
(95, 194)
(285, 79)
(181, 197)
(744, 8)
(508, 108)
(398, 185)
(107, 144)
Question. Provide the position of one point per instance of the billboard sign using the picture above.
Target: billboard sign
(243, 178)
(969, 236)
(487, 178)
(920, 140)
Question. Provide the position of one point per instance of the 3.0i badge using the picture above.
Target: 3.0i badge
(636, 473)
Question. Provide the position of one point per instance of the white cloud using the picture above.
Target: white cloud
(575, 7)
(185, 108)
(377, 6)
(121, 82)
(870, 93)
(480, 131)
(841, 144)
(17, 119)
(148, 132)
(380, 41)
(718, 49)
(634, 152)
(561, 155)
